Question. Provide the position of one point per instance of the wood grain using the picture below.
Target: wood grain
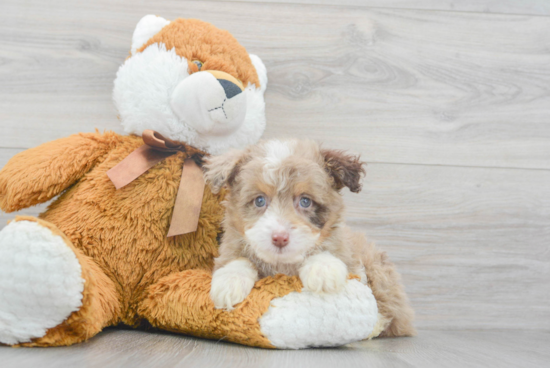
(450, 109)
(117, 348)
(414, 86)
(472, 244)
(532, 7)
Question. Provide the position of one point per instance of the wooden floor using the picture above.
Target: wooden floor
(129, 349)
(447, 100)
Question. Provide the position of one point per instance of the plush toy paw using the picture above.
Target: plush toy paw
(324, 273)
(278, 313)
(232, 283)
(41, 281)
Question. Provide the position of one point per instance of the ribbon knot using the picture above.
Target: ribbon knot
(157, 141)
(185, 217)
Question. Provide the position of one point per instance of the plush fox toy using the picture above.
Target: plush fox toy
(133, 232)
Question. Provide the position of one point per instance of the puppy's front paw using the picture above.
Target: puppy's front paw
(324, 273)
(232, 283)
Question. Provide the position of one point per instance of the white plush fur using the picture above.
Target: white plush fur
(40, 282)
(323, 273)
(200, 101)
(143, 92)
(260, 69)
(308, 319)
(147, 27)
(259, 238)
(232, 283)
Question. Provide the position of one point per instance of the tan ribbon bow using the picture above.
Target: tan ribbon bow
(185, 217)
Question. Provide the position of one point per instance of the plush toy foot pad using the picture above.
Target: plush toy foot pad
(308, 319)
(41, 281)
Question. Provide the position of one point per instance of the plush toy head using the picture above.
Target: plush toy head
(193, 83)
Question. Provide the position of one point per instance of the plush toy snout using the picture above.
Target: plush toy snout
(212, 102)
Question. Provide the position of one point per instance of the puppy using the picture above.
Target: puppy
(284, 215)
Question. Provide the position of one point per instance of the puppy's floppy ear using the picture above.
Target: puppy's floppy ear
(346, 170)
(223, 169)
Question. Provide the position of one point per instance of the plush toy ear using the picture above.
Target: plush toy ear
(346, 170)
(223, 169)
(147, 27)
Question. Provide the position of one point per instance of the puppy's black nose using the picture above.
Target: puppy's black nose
(280, 239)
(230, 88)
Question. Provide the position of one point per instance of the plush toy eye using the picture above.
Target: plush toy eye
(260, 201)
(198, 64)
(305, 202)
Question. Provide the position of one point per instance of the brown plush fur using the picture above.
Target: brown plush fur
(215, 48)
(181, 303)
(124, 231)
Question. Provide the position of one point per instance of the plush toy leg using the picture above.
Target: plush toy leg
(51, 294)
(181, 303)
(276, 314)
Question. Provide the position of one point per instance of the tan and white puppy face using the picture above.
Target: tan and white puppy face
(284, 200)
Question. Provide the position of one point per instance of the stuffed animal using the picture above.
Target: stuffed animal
(133, 232)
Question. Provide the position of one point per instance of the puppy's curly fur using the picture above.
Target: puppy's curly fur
(293, 188)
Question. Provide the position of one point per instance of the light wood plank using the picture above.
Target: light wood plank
(532, 7)
(413, 86)
(116, 348)
(472, 244)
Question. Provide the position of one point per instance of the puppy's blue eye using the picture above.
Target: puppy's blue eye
(259, 201)
(305, 202)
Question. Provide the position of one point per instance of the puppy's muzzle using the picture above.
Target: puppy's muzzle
(211, 101)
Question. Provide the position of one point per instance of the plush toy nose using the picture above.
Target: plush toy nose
(230, 88)
(211, 101)
(231, 85)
